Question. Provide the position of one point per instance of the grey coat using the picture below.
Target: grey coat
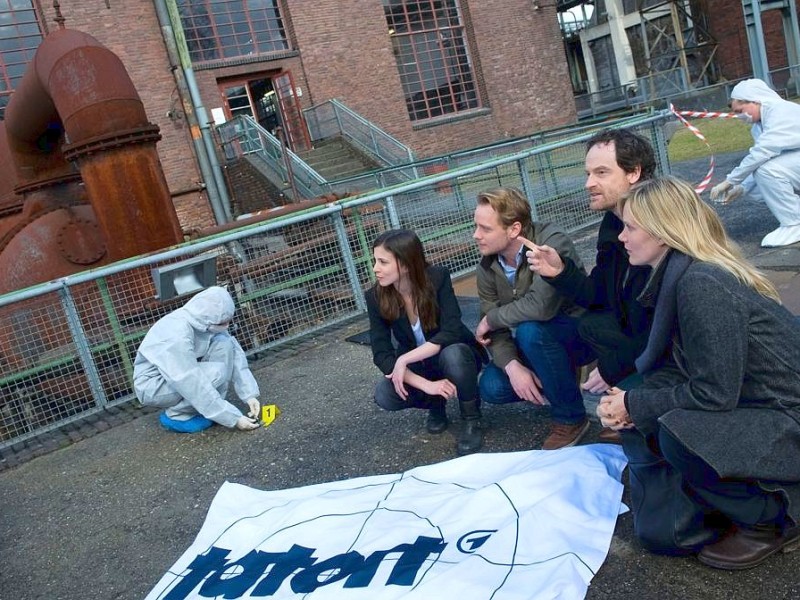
(731, 393)
(530, 299)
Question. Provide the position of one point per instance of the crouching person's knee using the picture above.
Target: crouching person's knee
(386, 397)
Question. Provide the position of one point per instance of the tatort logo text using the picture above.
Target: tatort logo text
(261, 574)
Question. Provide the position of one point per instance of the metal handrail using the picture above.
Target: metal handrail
(243, 136)
(363, 134)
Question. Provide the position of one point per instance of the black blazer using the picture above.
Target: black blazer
(614, 285)
(449, 330)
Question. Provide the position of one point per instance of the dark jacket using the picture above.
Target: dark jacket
(449, 329)
(731, 391)
(614, 286)
(529, 300)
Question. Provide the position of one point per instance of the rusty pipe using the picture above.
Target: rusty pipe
(77, 91)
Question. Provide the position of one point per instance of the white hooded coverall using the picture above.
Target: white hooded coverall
(771, 169)
(184, 367)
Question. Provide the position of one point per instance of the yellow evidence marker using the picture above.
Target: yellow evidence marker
(269, 413)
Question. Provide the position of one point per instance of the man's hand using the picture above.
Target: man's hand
(525, 383)
(544, 260)
(440, 387)
(595, 384)
(725, 192)
(254, 406)
(246, 424)
(482, 332)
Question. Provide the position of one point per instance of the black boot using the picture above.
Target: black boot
(437, 418)
(471, 438)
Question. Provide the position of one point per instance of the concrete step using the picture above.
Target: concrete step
(335, 159)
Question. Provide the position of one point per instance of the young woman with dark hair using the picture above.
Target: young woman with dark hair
(437, 357)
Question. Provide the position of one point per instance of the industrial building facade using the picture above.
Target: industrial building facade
(438, 75)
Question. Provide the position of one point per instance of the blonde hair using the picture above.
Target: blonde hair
(669, 209)
(510, 205)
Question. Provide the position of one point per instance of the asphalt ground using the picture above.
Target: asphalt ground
(101, 509)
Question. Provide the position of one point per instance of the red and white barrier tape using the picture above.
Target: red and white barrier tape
(681, 116)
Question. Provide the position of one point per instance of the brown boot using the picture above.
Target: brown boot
(563, 436)
(746, 547)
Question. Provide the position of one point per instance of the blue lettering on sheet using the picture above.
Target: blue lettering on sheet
(216, 577)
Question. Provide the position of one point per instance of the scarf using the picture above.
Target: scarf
(662, 289)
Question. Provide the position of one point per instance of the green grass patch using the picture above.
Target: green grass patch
(723, 135)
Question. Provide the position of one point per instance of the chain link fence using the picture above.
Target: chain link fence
(67, 346)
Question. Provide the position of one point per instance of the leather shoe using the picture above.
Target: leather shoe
(563, 436)
(609, 436)
(436, 421)
(747, 547)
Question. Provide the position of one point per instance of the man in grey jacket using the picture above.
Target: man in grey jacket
(538, 361)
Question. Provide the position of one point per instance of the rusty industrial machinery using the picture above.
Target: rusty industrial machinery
(81, 186)
(89, 182)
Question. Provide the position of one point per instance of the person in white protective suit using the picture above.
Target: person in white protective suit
(771, 170)
(186, 363)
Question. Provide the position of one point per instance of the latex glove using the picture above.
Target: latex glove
(719, 191)
(246, 424)
(726, 192)
(254, 406)
(733, 194)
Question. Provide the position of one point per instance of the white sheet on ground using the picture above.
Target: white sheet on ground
(516, 525)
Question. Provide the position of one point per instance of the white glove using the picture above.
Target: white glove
(726, 192)
(254, 406)
(246, 424)
(720, 190)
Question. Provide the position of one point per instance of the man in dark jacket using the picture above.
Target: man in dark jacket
(538, 360)
(616, 325)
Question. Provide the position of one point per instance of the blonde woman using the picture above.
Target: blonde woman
(713, 435)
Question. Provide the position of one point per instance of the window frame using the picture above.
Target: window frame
(432, 50)
(223, 41)
(10, 80)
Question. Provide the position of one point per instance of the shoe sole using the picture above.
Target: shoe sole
(577, 439)
(789, 546)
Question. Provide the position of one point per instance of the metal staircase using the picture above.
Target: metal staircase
(335, 159)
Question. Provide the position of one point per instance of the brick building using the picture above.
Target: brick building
(726, 22)
(438, 75)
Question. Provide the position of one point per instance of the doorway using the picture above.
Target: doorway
(272, 102)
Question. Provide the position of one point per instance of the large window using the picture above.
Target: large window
(431, 52)
(220, 29)
(19, 37)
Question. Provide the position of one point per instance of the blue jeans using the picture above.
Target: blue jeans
(553, 350)
(459, 363)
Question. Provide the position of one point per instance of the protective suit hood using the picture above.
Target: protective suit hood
(754, 90)
(211, 306)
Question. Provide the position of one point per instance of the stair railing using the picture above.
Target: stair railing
(244, 137)
(332, 118)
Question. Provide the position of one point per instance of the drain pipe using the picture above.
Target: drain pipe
(170, 21)
(188, 110)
